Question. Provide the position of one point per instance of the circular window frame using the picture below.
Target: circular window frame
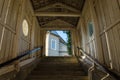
(25, 27)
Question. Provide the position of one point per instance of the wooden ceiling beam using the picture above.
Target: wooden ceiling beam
(46, 7)
(59, 5)
(68, 7)
(60, 23)
(78, 25)
(53, 28)
(53, 14)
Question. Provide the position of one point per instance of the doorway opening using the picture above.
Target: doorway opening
(58, 43)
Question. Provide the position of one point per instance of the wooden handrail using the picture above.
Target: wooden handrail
(21, 56)
(102, 67)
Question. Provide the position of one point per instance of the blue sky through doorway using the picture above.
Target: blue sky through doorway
(63, 35)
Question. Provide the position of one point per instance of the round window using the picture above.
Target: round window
(25, 27)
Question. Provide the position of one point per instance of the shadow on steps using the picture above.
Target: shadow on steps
(58, 68)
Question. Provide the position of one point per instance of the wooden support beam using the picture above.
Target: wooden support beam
(57, 14)
(59, 5)
(7, 69)
(46, 7)
(48, 28)
(68, 7)
(78, 24)
(60, 23)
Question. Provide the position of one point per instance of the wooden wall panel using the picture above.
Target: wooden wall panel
(12, 14)
(106, 10)
(119, 2)
(114, 10)
(114, 44)
(1, 6)
(1, 29)
(4, 10)
(105, 51)
(99, 15)
(105, 15)
(37, 34)
(10, 5)
(108, 18)
(113, 50)
(24, 44)
(101, 27)
(6, 30)
(6, 45)
(88, 41)
(112, 33)
(27, 42)
(116, 31)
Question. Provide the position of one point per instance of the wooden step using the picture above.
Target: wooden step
(58, 73)
(58, 68)
(58, 77)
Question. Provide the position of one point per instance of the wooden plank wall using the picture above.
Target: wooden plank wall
(110, 10)
(33, 39)
(108, 15)
(37, 36)
(8, 20)
(88, 43)
(105, 15)
(12, 40)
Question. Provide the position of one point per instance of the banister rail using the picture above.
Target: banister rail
(102, 67)
(21, 56)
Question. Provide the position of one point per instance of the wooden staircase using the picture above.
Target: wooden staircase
(58, 68)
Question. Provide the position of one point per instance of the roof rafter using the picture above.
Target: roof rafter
(72, 14)
(59, 5)
(56, 28)
(78, 24)
(69, 7)
(59, 22)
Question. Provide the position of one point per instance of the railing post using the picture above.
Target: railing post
(90, 71)
(17, 67)
(101, 66)
(105, 76)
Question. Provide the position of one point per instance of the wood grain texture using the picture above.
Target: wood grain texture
(108, 25)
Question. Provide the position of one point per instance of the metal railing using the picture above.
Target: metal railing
(21, 56)
(102, 67)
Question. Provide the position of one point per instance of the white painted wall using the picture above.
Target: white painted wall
(61, 49)
(52, 52)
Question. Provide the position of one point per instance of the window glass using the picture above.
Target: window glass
(90, 28)
(25, 27)
(53, 44)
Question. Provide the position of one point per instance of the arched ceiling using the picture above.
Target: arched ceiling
(65, 10)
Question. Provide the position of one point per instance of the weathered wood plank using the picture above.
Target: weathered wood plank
(7, 69)
(1, 6)
(105, 10)
(57, 14)
(116, 31)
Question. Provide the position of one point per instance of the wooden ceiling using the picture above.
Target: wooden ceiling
(44, 20)
(50, 10)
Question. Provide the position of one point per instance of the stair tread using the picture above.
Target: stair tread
(54, 76)
(58, 68)
(58, 77)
